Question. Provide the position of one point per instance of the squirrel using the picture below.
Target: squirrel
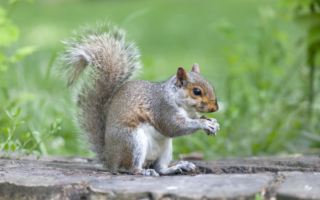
(130, 123)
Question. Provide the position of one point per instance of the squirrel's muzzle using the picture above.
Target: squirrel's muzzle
(215, 107)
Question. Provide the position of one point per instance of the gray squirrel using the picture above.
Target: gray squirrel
(131, 123)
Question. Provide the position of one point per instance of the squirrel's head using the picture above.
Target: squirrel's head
(196, 92)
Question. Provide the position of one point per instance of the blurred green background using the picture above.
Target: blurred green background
(255, 54)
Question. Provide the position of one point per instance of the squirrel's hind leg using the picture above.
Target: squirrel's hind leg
(161, 164)
(139, 156)
(125, 151)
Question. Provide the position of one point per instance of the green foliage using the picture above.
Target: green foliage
(247, 49)
(307, 15)
(263, 111)
(11, 140)
(21, 53)
(258, 197)
(9, 33)
(31, 140)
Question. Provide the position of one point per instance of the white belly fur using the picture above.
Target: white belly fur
(152, 140)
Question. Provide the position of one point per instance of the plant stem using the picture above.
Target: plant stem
(34, 146)
(9, 138)
(311, 87)
(311, 61)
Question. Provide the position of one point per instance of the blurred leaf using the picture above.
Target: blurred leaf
(308, 21)
(37, 153)
(313, 38)
(22, 151)
(6, 146)
(258, 197)
(36, 133)
(296, 3)
(8, 34)
(280, 35)
(9, 115)
(53, 125)
(22, 52)
(13, 146)
(58, 120)
(51, 62)
(267, 13)
(17, 112)
(313, 136)
(18, 142)
(26, 136)
(27, 96)
(5, 130)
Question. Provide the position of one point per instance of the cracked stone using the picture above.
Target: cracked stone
(38, 180)
(300, 186)
(53, 177)
(182, 187)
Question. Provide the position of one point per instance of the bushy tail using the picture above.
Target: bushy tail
(99, 60)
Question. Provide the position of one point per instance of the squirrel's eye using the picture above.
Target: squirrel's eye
(197, 92)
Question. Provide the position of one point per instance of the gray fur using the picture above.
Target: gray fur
(110, 109)
(100, 61)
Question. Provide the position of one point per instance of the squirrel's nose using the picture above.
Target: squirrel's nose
(215, 108)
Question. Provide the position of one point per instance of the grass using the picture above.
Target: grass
(247, 54)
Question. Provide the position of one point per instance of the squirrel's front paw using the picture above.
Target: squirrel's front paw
(211, 126)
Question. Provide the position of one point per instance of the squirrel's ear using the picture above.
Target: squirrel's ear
(195, 68)
(181, 76)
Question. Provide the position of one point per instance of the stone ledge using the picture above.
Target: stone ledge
(53, 177)
(244, 186)
(300, 186)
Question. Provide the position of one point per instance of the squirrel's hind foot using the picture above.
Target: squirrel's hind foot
(186, 166)
(146, 172)
(149, 172)
(177, 169)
